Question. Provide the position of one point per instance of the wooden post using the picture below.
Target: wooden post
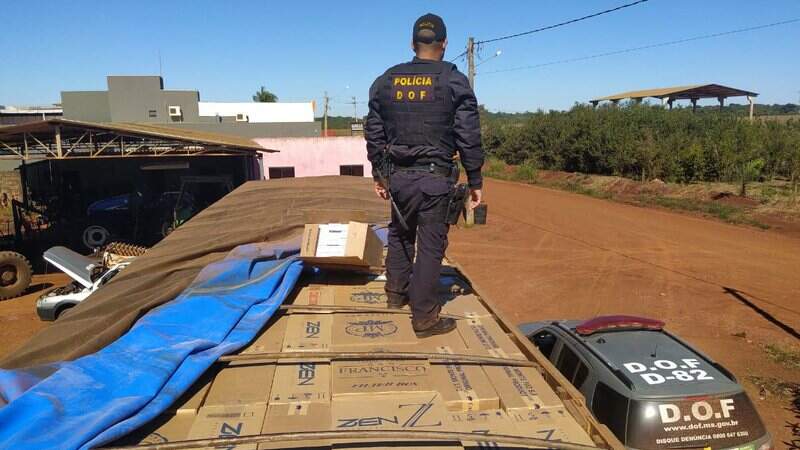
(470, 214)
(721, 102)
(470, 217)
(694, 105)
(58, 142)
(471, 61)
(750, 100)
(325, 117)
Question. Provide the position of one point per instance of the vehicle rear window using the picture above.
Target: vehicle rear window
(717, 422)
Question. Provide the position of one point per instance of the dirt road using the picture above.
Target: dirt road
(551, 254)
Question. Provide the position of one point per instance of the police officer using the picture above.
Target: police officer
(420, 113)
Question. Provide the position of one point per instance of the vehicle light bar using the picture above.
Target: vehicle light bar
(618, 323)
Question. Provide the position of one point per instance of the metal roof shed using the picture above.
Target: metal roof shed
(691, 92)
(62, 138)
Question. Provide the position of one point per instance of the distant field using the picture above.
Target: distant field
(780, 117)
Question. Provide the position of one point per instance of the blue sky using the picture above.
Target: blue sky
(227, 49)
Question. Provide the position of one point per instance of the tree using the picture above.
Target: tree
(264, 96)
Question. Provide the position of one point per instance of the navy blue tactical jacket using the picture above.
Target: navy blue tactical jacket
(466, 125)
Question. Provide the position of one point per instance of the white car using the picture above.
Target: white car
(88, 275)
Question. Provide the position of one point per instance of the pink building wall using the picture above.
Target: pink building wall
(315, 156)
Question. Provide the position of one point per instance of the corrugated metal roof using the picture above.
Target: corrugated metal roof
(224, 141)
(681, 92)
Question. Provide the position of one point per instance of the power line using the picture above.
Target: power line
(645, 47)
(550, 27)
(460, 55)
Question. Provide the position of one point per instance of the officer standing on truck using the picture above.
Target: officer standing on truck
(420, 113)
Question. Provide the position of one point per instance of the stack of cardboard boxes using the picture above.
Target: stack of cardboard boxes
(316, 394)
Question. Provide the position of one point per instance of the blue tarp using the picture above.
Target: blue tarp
(100, 397)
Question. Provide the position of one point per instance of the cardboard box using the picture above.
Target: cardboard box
(315, 295)
(369, 379)
(464, 387)
(191, 400)
(243, 383)
(350, 244)
(521, 388)
(162, 429)
(552, 424)
(307, 382)
(364, 331)
(493, 421)
(271, 338)
(370, 296)
(229, 421)
(466, 306)
(288, 418)
(308, 333)
(394, 412)
(484, 336)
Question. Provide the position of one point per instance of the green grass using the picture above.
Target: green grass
(776, 387)
(784, 357)
(727, 213)
(526, 172)
(495, 168)
(577, 187)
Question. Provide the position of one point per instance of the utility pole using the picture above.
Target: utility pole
(325, 116)
(471, 61)
(355, 110)
(469, 218)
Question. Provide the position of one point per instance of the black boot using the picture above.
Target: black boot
(396, 301)
(442, 326)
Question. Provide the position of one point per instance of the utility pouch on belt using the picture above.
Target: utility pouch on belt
(456, 204)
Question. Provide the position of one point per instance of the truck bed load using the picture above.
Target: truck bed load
(334, 368)
(123, 355)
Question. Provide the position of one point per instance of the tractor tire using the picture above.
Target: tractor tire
(15, 274)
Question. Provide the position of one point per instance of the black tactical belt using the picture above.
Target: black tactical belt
(427, 168)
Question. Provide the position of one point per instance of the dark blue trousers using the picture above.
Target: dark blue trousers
(422, 197)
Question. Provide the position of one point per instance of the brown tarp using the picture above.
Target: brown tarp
(257, 211)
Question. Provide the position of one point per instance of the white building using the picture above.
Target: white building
(256, 112)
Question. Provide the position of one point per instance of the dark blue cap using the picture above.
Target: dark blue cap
(429, 28)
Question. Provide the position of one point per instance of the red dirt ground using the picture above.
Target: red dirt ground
(18, 319)
(549, 254)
